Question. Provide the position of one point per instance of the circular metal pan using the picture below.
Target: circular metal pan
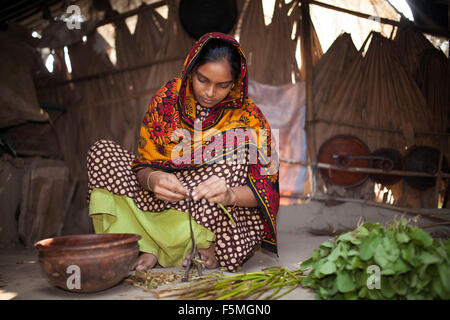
(338, 150)
(423, 159)
(393, 161)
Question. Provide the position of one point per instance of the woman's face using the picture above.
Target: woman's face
(212, 82)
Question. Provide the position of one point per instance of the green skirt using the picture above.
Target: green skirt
(165, 234)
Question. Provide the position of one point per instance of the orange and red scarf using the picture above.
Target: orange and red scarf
(171, 116)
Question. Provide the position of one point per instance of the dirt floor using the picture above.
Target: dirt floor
(22, 278)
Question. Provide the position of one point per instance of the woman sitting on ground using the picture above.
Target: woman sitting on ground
(195, 151)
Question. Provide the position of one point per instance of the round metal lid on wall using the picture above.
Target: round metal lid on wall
(344, 151)
(386, 159)
(202, 16)
(423, 159)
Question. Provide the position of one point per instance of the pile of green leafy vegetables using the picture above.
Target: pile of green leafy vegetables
(400, 261)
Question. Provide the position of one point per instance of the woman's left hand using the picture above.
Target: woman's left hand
(215, 190)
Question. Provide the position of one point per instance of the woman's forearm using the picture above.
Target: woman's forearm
(142, 176)
(244, 197)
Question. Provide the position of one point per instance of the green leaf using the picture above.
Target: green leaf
(387, 272)
(421, 237)
(325, 248)
(326, 244)
(399, 285)
(444, 274)
(338, 251)
(428, 258)
(371, 226)
(363, 231)
(324, 293)
(356, 263)
(438, 288)
(317, 267)
(363, 292)
(306, 264)
(309, 281)
(386, 288)
(328, 268)
(440, 249)
(349, 237)
(350, 296)
(402, 237)
(381, 257)
(316, 255)
(345, 282)
(414, 279)
(324, 253)
(424, 277)
(374, 294)
(368, 246)
(408, 254)
(415, 296)
(413, 265)
(400, 267)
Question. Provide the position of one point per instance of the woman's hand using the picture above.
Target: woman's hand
(164, 185)
(215, 190)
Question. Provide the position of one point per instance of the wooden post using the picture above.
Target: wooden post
(306, 54)
(444, 139)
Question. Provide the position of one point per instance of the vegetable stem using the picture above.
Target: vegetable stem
(227, 213)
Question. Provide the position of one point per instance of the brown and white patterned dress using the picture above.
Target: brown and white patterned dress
(109, 168)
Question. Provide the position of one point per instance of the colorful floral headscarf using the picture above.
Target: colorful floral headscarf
(171, 116)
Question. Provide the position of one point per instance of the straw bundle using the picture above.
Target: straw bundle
(174, 44)
(339, 96)
(281, 49)
(253, 29)
(378, 100)
(329, 71)
(432, 78)
(86, 59)
(316, 47)
(394, 101)
(149, 32)
(77, 128)
(410, 45)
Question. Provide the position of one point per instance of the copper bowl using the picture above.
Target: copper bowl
(88, 262)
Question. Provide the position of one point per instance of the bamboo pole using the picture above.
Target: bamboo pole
(345, 124)
(130, 13)
(365, 170)
(444, 141)
(306, 54)
(112, 72)
(413, 211)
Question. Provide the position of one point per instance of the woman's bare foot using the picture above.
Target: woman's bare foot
(145, 261)
(207, 255)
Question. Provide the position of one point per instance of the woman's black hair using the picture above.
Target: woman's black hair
(216, 50)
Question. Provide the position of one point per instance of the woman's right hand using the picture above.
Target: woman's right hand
(164, 185)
